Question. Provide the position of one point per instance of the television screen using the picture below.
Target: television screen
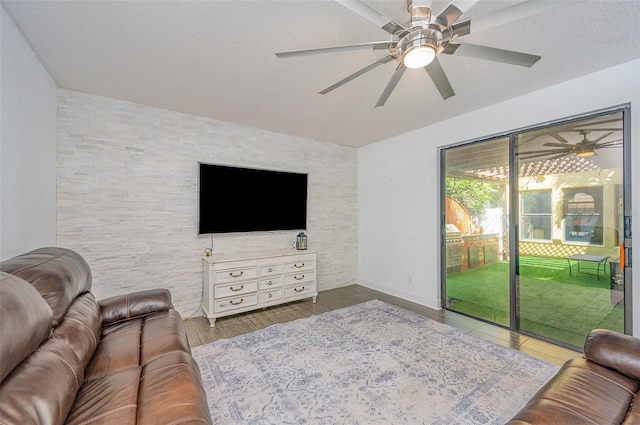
(234, 199)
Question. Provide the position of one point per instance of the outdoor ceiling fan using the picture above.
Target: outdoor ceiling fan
(583, 149)
(419, 42)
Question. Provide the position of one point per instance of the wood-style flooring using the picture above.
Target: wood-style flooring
(199, 332)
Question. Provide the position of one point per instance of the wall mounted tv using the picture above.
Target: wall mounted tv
(235, 199)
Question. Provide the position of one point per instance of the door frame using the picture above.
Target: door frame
(514, 325)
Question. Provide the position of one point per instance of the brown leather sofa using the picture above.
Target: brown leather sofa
(600, 388)
(67, 358)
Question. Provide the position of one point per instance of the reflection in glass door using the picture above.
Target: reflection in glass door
(570, 199)
(534, 229)
(476, 201)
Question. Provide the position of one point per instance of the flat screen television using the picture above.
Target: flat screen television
(236, 199)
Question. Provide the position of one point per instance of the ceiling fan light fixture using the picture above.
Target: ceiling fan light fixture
(585, 152)
(418, 56)
(419, 48)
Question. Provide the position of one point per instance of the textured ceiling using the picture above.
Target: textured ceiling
(216, 59)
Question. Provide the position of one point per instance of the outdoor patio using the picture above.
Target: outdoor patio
(552, 304)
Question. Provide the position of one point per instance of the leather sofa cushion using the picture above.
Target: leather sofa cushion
(142, 372)
(614, 351)
(58, 274)
(118, 349)
(581, 392)
(163, 333)
(80, 328)
(42, 388)
(135, 304)
(25, 321)
(633, 416)
(170, 391)
(111, 399)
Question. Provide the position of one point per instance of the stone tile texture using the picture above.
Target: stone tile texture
(127, 189)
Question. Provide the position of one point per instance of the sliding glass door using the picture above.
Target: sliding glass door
(571, 228)
(476, 206)
(534, 228)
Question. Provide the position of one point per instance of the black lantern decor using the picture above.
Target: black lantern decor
(301, 241)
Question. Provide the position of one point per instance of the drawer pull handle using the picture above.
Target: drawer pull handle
(236, 290)
(236, 275)
(239, 302)
(299, 290)
(270, 295)
(298, 277)
(298, 266)
(270, 269)
(270, 283)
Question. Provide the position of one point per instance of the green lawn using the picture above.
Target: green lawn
(553, 304)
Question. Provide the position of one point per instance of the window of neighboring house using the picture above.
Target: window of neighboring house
(535, 215)
(583, 215)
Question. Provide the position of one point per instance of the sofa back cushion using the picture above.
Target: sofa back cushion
(25, 322)
(50, 329)
(58, 274)
(42, 388)
(80, 328)
(615, 351)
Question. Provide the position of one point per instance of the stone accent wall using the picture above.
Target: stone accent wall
(127, 195)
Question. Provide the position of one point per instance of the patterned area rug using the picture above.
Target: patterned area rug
(372, 363)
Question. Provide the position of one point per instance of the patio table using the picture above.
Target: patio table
(600, 260)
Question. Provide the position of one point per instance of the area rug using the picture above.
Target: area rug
(372, 363)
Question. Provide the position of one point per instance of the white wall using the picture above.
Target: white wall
(127, 194)
(398, 179)
(28, 97)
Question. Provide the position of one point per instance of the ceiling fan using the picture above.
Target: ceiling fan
(583, 149)
(418, 43)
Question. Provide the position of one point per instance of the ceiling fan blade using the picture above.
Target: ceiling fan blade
(545, 151)
(531, 159)
(356, 74)
(376, 45)
(369, 13)
(452, 12)
(542, 155)
(559, 156)
(439, 78)
(559, 138)
(460, 29)
(523, 155)
(602, 137)
(491, 54)
(558, 145)
(391, 85)
(611, 144)
(515, 12)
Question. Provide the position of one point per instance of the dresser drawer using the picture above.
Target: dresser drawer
(233, 289)
(271, 270)
(235, 275)
(298, 278)
(273, 295)
(303, 263)
(270, 282)
(302, 289)
(239, 282)
(242, 301)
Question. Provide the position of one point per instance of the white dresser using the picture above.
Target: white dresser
(235, 283)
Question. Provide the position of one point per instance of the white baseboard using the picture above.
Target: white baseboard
(427, 302)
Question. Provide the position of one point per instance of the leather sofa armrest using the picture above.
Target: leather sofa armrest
(615, 351)
(135, 304)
